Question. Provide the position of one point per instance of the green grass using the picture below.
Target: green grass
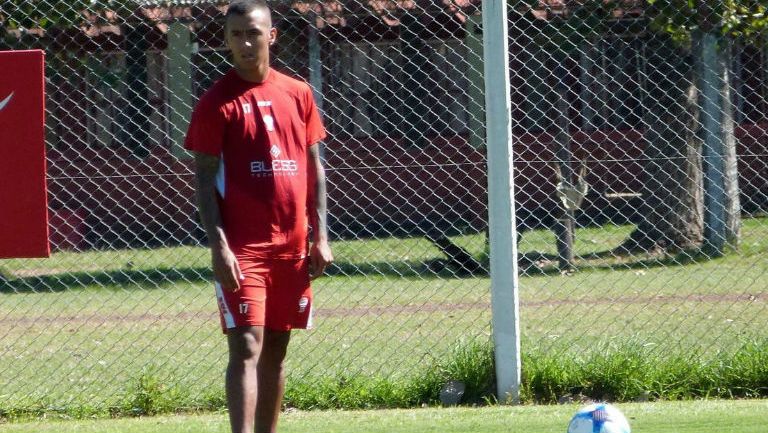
(626, 372)
(80, 330)
(621, 373)
(711, 416)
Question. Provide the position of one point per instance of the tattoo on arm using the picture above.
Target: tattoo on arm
(318, 212)
(206, 168)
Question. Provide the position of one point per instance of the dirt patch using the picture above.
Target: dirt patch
(51, 272)
(100, 319)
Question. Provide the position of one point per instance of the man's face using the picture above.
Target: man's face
(249, 37)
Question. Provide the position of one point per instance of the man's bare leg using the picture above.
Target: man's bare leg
(271, 380)
(241, 378)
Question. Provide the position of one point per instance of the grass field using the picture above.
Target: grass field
(746, 416)
(81, 329)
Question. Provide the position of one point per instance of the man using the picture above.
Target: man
(260, 184)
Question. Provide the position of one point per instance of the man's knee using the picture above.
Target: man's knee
(275, 346)
(245, 344)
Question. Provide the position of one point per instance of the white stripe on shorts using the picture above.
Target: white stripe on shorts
(309, 317)
(229, 319)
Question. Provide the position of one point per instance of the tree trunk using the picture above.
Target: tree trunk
(672, 211)
(732, 199)
(721, 191)
(564, 223)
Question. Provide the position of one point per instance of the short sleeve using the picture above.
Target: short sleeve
(207, 128)
(315, 128)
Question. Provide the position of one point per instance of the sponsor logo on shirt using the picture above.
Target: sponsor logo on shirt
(275, 167)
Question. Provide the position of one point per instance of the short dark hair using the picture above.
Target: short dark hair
(244, 7)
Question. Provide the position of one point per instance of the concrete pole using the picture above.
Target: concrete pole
(501, 203)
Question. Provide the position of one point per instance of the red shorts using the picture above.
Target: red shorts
(275, 294)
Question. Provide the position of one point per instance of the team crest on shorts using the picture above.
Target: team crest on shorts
(303, 303)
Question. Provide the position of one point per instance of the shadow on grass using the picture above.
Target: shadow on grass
(156, 278)
(531, 264)
(428, 269)
(129, 279)
(538, 264)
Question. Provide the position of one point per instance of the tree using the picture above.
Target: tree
(672, 213)
(679, 209)
(687, 111)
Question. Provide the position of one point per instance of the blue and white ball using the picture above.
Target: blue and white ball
(598, 418)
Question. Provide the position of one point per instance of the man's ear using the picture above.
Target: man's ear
(272, 36)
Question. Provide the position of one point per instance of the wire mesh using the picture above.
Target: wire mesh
(613, 178)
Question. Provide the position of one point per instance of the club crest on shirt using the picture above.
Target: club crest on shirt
(269, 122)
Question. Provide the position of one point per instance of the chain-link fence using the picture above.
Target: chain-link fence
(617, 141)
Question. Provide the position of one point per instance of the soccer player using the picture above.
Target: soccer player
(260, 186)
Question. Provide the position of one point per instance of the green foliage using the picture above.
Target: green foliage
(743, 375)
(470, 363)
(348, 393)
(628, 372)
(473, 364)
(747, 19)
(547, 378)
(151, 395)
(679, 18)
(617, 374)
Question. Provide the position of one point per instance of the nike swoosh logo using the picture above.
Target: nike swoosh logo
(5, 101)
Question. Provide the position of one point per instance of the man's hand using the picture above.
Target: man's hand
(225, 269)
(320, 256)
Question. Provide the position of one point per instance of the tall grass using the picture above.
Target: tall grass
(618, 373)
(629, 372)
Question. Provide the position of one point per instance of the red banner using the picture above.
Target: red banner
(23, 197)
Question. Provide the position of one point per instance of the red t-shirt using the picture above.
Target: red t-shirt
(261, 132)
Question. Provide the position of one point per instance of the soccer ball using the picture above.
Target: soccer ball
(598, 418)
